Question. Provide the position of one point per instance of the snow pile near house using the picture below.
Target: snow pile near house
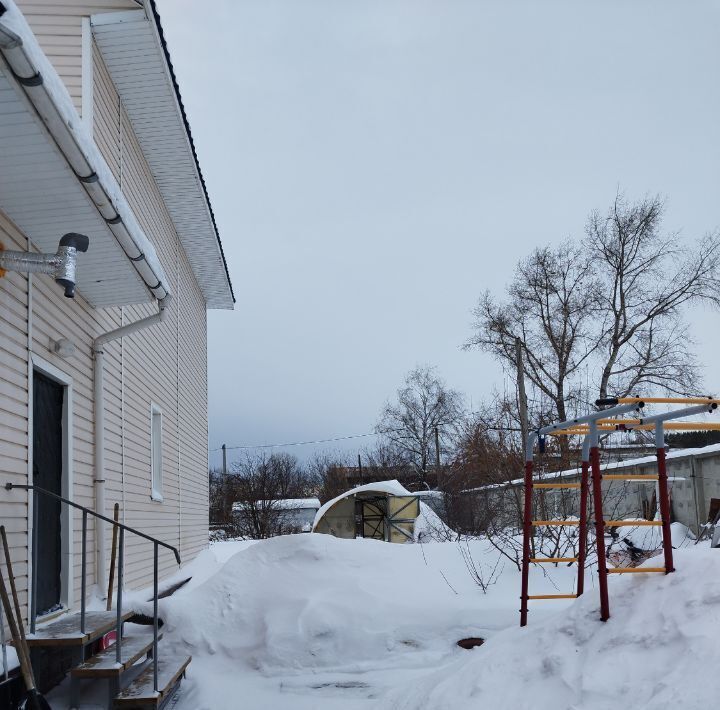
(429, 526)
(314, 601)
(658, 651)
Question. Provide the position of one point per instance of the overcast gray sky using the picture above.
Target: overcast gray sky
(375, 165)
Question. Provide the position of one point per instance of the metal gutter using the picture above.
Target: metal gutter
(66, 129)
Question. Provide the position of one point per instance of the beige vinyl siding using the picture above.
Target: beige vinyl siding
(57, 24)
(14, 409)
(165, 381)
(165, 364)
(106, 114)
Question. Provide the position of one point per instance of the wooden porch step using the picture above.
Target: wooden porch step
(140, 694)
(103, 663)
(65, 631)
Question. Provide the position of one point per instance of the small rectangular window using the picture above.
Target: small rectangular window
(156, 452)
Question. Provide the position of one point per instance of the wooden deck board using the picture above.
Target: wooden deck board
(104, 665)
(66, 630)
(140, 694)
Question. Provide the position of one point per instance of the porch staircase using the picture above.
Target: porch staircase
(130, 681)
(135, 669)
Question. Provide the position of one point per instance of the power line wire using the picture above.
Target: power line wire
(297, 443)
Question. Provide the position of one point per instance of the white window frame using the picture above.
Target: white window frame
(156, 454)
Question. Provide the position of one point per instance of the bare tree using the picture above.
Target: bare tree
(386, 460)
(258, 483)
(329, 474)
(647, 279)
(424, 404)
(550, 309)
(608, 311)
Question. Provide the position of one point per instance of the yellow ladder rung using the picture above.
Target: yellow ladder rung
(556, 485)
(553, 596)
(629, 477)
(555, 522)
(631, 523)
(622, 570)
(553, 559)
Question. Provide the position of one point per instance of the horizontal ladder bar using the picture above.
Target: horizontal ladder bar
(620, 426)
(552, 596)
(623, 570)
(629, 477)
(632, 523)
(553, 559)
(555, 522)
(556, 485)
(668, 400)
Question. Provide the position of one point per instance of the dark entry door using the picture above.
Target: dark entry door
(47, 473)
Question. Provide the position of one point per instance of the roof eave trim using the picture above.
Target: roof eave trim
(181, 109)
(44, 89)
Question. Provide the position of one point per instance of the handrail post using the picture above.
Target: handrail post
(33, 596)
(118, 624)
(155, 617)
(83, 581)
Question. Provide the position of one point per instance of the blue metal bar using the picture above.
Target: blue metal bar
(680, 413)
(83, 581)
(118, 623)
(155, 618)
(593, 416)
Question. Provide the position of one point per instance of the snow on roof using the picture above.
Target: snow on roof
(394, 488)
(677, 454)
(284, 504)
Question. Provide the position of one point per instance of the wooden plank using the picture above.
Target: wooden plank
(140, 693)
(66, 630)
(103, 663)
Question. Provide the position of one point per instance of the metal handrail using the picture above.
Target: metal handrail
(121, 554)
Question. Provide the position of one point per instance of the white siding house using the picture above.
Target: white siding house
(94, 140)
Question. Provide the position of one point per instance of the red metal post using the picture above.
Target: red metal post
(664, 503)
(600, 533)
(527, 532)
(582, 548)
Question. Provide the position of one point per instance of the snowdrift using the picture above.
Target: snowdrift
(658, 651)
(315, 601)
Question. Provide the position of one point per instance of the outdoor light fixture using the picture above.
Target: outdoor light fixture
(60, 265)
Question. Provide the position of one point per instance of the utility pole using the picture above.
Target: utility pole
(360, 471)
(437, 456)
(226, 485)
(521, 391)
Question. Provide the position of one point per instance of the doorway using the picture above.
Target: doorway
(48, 464)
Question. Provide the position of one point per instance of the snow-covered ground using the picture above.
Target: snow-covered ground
(311, 622)
(305, 621)
(658, 651)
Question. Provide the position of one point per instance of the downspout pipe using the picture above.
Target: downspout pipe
(99, 399)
